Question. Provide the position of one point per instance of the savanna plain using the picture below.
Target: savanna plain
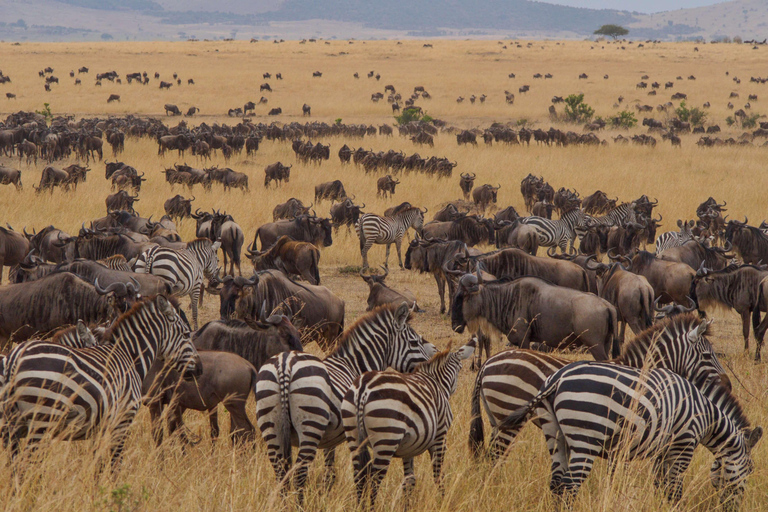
(208, 476)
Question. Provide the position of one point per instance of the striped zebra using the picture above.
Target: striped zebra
(401, 415)
(560, 232)
(77, 393)
(675, 238)
(618, 216)
(609, 411)
(185, 269)
(511, 378)
(374, 229)
(299, 395)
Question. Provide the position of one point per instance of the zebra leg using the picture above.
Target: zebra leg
(364, 250)
(399, 242)
(558, 451)
(194, 295)
(437, 452)
(329, 478)
(579, 467)
(386, 257)
(409, 479)
(501, 441)
(119, 436)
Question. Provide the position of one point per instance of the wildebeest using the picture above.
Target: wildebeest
(191, 111)
(671, 281)
(515, 234)
(379, 294)
(304, 228)
(277, 172)
(598, 203)
(315, 310)
(10, 176)
(290, 209)
(466, 137)
(113, 97)
(345, 213)
(121, 200)
(306, 110)
(693, 253)
(749, 242)
(265, 87)
(330, 190)
(386, 184)
(466, 184)
(485, 195)
(543, 209)
(275, 111)
(530, 309)
(228, 178)
(172, 109)
(13, 249)
(165, 85)
(470, 229)
(291, 257)
(178, 208)
(68, 177)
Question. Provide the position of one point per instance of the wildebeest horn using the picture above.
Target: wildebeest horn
(665, 309)
(24, 230)
(612, 255)
(660, 217)
(479, 275)
(702, 271)
(721, 205)
(263, 312)
(425, 210)
(111, 288)
(474, 175)
(386, 272)
(591, 258)
(193, 198)
(693, 305)
(654, 202)
(133, 287)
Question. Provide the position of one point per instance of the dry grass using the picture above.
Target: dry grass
(210, 477)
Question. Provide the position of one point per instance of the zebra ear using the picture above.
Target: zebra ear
(216, 245)
(82, 330)
(465, 352)
(402, 314)
(165, 307)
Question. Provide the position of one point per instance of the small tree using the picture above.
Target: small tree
(611, 30)
(576, 111)
(411, 114)
(45, 112)
(695, 116)
(624, 119)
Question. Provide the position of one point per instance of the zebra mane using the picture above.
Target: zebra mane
(684, 321)
(62, 332)
(402, 207)
(138, 306)
(436, 361)
(350, 331)
(196, 242)
(727, 402)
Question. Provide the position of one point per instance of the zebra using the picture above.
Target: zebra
(374, 229)
(77, 393)
(558, 232)
(299, 395)
(675, 238)
(401, 415)
(510, 378)
(604, 410)
(184, 269)
(618, 216)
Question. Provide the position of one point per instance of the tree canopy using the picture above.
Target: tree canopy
(613, 31)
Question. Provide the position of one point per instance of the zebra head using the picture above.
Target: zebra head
(208, 256)
(444, 367)
(175, 344)
(733, 465)
(701, 363)
(406, 348)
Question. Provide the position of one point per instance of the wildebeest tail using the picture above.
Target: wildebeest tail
(237, 248)
(613, 332)
(316, 265)
(476, 432)
(646, 303)
(756, 314)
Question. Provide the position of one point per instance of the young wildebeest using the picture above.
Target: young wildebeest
(380, 294)
(231, 353)
(466, 184)
(13, 248)
(386, 184)
(290, 257)
(178, 208)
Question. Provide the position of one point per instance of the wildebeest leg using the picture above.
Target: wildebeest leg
(621, 331)
(745, 327)
(441, 291)
(225, 263)
(240, 427)
(155, 415)
(176, 420)
(213, 421)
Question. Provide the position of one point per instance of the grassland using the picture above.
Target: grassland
(227, 74)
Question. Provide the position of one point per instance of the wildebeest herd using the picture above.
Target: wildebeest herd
(106, 298)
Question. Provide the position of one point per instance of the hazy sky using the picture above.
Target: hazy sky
(647, 6)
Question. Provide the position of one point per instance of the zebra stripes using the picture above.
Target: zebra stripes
(75, 393)
(511, 378)
(675, 238)
(299, 395)
(560, 232)
(604, 410)
(620, 215)
(374, 229)
(184, 269)
(401, 415)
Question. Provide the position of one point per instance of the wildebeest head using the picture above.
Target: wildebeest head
(469, 284)
(321, 229)
(229, 290)
(121, 296)
(672, 309)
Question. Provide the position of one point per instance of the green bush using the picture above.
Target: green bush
(624, 119)
(576, 111)
(729, 120)
(45, 112)
(750, 121)
(338, 121)
(695, 116)
(411, 114)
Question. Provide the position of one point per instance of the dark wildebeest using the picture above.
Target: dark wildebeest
(485, 195)
(14, 247)
(113, 97)
(379, 294)
(98, 271)
(265, 87)
(304, 228)
(630, 294)
(291, 257)
(386, 184)
(466, 183)
(306, 110)
(68, 177)
(276, 172)
(470, 229)
(345, 154)
(231, 353)
(693, 253)
(10, 176)
(172, 110)
(275, 111)
(178, 208)
(121, 200)
(290, 209)
(733, 287)
(543, 209)
(330, 190)
(671, 281)
(229, 178)
(191, 111)
(530, 309)
(165, 85)
(43, 244)
(58, 299)
(224, 228)
(749, 242)
(598, 203)
(517, 235)
(315, 310)
(345, 213)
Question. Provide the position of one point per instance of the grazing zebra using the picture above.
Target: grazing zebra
(675, 238)
(604, 410)
(184, 269)
(77, 393)
(558, 232)
(299, 395)
(374, 229)
(511, 378)
(618, 216)
(401, 415)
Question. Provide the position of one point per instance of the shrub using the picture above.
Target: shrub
(624, 119)
(45, 112)
(576, 111)
(411, 114)
(695, 116)
(338, 121)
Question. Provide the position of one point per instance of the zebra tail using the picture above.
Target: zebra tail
(362, 236)
(364, 456)
(284, 428)
(756, 314)
(476, 432)
(518, 418)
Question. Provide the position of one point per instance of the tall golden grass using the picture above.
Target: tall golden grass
(65, 476)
